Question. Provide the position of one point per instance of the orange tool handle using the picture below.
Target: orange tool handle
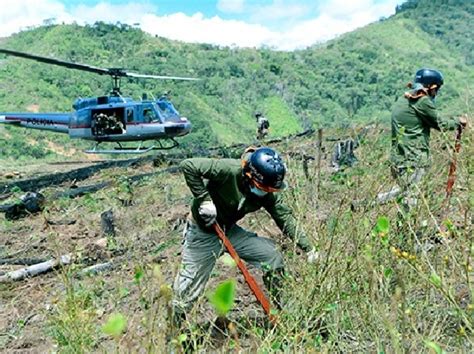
(452, 165)
(262, 299)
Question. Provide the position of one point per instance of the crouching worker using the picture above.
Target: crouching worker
(224, 191)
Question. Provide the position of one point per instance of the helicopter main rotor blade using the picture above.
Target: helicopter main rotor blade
(144, 76)
(114, 72)
(66, 64)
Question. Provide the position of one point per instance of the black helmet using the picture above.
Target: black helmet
(266, 169)
(429, 77)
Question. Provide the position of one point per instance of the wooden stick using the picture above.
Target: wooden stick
(36, 269)
(22, 261)
(96, 268)
(320, 143)
(452, 164)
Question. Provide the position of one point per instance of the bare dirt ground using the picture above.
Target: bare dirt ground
(148, 231)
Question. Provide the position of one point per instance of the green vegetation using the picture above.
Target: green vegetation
(362, 294)
(351, 79)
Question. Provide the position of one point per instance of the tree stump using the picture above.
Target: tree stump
(107, 223)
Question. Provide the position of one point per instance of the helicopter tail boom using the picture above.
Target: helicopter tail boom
(57, 122)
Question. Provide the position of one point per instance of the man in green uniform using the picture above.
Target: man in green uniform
(413, 117)
(224, 191)
(263, 126)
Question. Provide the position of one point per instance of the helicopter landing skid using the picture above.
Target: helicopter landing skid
(132, 150)
(163, 147)
(121, 150)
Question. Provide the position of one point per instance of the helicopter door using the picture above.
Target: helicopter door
(109, 121)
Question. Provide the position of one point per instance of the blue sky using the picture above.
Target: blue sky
(278, 24)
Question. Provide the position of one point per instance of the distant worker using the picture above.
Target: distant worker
(225, 190)
(413, 117)
(263, 125)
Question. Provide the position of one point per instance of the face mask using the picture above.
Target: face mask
(258, 192)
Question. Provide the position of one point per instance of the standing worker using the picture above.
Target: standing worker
(263, 125)
(413, 117)
(224, 191)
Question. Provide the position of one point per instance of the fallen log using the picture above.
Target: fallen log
(298, 135)
(61, 222)
(96, 268)
(22, 261)
(80, 191)
(13, 211)
(17, 210)
(36, 269)
(35, 184)
(30, 203)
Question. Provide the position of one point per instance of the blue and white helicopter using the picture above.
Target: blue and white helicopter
(111, 118)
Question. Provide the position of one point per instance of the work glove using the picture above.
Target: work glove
(463, 120)
(208, 213)
(312, 256)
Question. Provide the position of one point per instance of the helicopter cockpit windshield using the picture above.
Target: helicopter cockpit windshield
(167, 110)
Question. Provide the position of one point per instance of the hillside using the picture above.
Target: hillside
(362, 295)
(351, 79)
(346, 302)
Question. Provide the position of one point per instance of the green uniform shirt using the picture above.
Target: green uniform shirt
(221, 181)
(412, 120)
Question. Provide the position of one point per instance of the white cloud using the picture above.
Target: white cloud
(310, 32)
(213, 30)
(342, 9)
(230, 6)
(336, 17)
(20, 14)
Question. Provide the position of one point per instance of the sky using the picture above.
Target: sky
(277, 24)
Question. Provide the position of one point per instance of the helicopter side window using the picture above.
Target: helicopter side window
(129, 115)
(150, 115)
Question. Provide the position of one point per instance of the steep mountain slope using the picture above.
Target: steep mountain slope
(354, 78)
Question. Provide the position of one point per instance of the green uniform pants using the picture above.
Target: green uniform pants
(201, 249)
(408, 181)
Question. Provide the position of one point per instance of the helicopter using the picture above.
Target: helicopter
(109, 118)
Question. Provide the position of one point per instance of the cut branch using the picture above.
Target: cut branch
(36, 269)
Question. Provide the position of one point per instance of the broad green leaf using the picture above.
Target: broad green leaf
(388, 272)
(383, 224)
(223, 297)
(228, 260)
(276, 345)
(435, 279)
(182, 337)
(115, 325)
(435, 347)
(138, 274)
